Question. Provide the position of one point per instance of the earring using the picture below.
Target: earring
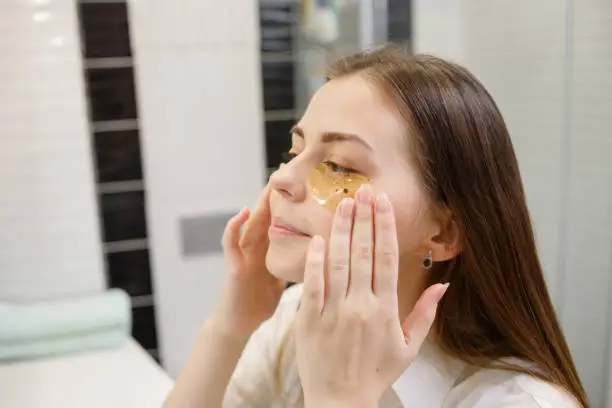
(428, 261)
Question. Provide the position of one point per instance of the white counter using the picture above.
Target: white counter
(126, 377)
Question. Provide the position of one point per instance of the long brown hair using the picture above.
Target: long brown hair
(498, 305)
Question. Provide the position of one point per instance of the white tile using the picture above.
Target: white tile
(32, 279)
(202, 135)
(201, 111)
(519, 54)
(588, 272)
(50, 236)
(156, 23)
(31, 25)
(198, 281)
(41, 72)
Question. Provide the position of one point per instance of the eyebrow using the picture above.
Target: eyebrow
(330, 137)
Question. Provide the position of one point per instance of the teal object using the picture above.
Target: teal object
(59, 346)
(63, 326)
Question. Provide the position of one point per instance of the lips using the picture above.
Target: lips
(282, 227)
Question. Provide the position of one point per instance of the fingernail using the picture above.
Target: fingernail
(318, 244)
(346, 207)
(382, 203)
(442, 292)
(364, 194)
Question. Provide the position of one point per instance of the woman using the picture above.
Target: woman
(440, 199)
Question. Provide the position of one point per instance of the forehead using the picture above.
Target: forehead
(353, 105)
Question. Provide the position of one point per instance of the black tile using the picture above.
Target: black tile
(278, 87)
(399, 20)
(118, 156)
(143, 326)
(277, 14)
(276, 44)
(278, 141)
(112, 94)
(105, 31)
(277, 24)
(130, 271)
(123, 216)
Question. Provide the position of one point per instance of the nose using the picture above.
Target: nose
(289, 182)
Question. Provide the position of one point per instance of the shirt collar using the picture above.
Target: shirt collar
(429, 379)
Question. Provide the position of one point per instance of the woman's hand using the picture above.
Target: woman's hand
(251, 294)
(350, 344)
(249, 297)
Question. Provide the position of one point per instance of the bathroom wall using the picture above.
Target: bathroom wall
(547, 64)
(49, 236)
(197, 67)
(586, 247)
(438, 27)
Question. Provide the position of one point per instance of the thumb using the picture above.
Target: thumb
(231, 234)
(419, 322)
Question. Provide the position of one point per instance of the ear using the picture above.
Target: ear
(445, 243)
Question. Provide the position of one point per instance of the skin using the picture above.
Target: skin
(379, 252)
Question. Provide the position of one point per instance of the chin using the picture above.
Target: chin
(287, 261)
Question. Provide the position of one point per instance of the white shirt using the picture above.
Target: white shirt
(266, 376)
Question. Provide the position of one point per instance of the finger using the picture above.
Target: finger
(386, 253)
(255, 230)
(339, 253)
(313, 291)
(231, 234)
(419, 322)
(362, 241)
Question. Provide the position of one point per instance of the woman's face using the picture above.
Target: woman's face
(347, 123)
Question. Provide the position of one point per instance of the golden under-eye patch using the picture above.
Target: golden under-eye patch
(329, 187)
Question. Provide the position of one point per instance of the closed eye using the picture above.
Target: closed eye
(333, 166)
(336, 168)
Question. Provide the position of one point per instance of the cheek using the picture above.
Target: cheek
(410, 219)
(409, 204)
(325, 223)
